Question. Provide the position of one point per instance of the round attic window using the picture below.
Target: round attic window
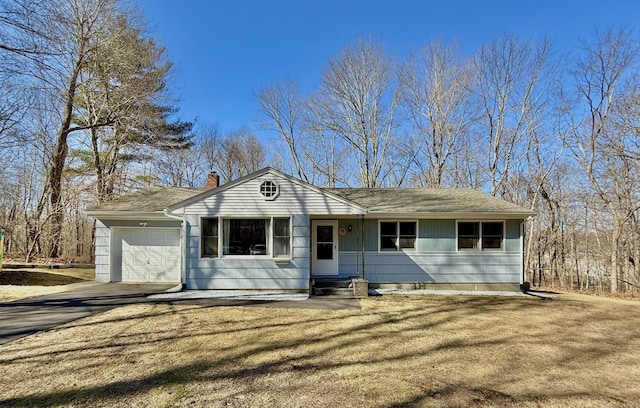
(269, 190)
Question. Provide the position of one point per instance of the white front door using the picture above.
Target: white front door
(324, 239)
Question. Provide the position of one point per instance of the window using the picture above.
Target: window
(269, 190)
(480, 235)
(388, 236)
(407, 235)
(281, 238)
(468, 235)
(246, 236)
(209, 237)
(397, 235)
(492, 235)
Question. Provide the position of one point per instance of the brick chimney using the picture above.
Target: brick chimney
(213, 180)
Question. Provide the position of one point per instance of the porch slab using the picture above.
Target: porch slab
(231, 295)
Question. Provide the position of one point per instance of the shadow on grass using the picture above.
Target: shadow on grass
(30, 278)
(387, 328)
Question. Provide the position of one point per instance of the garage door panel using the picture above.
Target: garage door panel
(150, 255)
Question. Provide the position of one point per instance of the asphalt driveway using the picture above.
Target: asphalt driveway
(27, 316)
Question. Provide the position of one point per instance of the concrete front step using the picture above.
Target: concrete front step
(352, 287)
(329, 291)
(331, 283)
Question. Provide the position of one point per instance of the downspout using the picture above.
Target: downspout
(523, 232)
(183, 244)
(362, 239)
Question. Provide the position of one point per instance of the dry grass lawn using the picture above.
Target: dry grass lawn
(22, 283)
(398, 351)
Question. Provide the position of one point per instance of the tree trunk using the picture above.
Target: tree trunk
(58, 162)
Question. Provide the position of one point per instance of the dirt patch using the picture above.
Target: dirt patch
(24, 277)
(398, 351)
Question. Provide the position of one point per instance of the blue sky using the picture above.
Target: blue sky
(224, 50)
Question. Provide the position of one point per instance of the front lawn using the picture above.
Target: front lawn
(398, 351)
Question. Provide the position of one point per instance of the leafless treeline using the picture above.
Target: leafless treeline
(86, 115)
(553, 131)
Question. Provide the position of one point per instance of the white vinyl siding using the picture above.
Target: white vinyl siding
(250, 272)
(245, 199)
(103, 248)
(442, 267)
(295, 204)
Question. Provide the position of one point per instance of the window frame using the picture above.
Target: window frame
(481, 236)
(274, 237)
(273, 188)
(269, 238)
(222, 233)
(202, 238)
(397, 236)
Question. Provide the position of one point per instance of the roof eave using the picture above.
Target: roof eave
(126, 215)
(452, 215)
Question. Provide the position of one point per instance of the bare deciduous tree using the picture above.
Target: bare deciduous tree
(510, 80)
(235, 155)
(55, 39)
(281, 104)
(437, 91)
(599, 73)
(358, 101)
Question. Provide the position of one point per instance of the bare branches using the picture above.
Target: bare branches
(280, 103)
(436, 87)
(234, 155)
(358, 102)
(510, 87)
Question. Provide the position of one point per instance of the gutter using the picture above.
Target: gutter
(169, 214)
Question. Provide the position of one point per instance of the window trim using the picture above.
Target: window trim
(480, 247)
(242, 256)
(276, 190)
(202, 236)
(270, 237)
(397, 236)
(279, 258)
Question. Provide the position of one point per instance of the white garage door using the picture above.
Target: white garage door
(150, 255)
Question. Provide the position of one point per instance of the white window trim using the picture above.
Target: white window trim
(274, 196)
(279, 259)
(269, 244)
(399, 250)
(480, 249)
(200, 238)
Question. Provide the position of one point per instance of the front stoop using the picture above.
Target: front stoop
(356, 288)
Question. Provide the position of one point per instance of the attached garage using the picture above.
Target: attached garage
(146, 255)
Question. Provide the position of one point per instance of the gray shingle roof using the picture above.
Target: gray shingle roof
(428, 200)
(149, 199)
(376, 200)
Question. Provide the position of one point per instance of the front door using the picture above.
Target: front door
(325, 247)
